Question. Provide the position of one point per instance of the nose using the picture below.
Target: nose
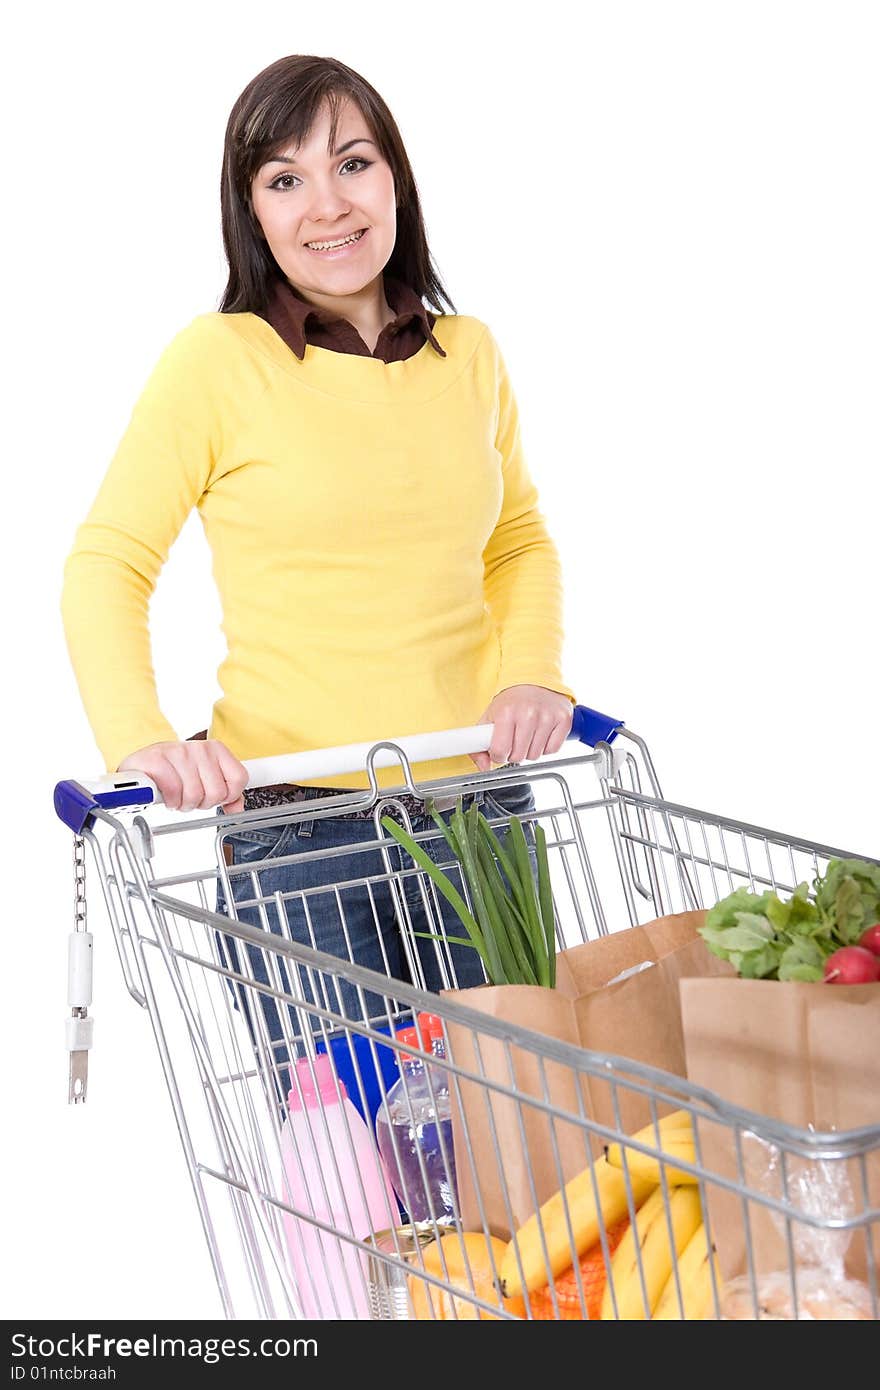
(327, 204)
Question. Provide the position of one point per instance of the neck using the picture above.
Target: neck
(367, 309)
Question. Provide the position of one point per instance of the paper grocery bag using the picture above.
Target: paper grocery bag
(506, 1152)
(805, 1054)
(510, 1154)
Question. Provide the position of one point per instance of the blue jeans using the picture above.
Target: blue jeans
(356, 923)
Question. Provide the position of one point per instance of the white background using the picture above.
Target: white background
(669, 216)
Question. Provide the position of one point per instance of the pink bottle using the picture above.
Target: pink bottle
(334, 1174)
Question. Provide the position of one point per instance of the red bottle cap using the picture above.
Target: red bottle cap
(431, 1026)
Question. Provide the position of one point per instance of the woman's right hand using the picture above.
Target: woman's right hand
(195, 775)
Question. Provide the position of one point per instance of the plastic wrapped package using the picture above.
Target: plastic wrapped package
(817, 1288)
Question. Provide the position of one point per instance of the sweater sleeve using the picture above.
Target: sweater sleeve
(522, 573)
(159, 471)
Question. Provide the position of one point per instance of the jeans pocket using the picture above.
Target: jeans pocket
(517, 800)
(265, 842)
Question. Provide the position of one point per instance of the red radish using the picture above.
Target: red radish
(852, 965)
(870, 939)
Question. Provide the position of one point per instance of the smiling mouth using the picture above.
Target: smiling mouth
(338, 243)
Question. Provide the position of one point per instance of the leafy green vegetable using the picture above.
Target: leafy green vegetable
(768, 937)
(802, 960)
(758, 965)
(512, 924)
(848, 897)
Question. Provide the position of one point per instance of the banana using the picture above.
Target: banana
(678, 1119)
(646, 1244)
(524, 1266)
(695, 1281)
(675, 1143)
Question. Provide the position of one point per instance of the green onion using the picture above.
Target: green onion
(512, 945)
(512, 924)
(493, 951)
(545, 897)
(446, 887)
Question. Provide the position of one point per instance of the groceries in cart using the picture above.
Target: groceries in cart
(605, 1240)
(414, 1128)
(511, 926)
(339, 1176)
(818, 1299)
(459, 1278)
(660, 1263)
(834, 936)
(577, 1293)
(333, 1174)
(822, 1290)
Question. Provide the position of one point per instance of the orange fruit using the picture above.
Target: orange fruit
(465, 1263)
(592, 1277)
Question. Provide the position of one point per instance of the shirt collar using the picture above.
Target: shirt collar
(288, 313)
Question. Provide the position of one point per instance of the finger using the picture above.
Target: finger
(214, 784)
(558, 736)
(502, 737)
(232, 808)
(235, 772)
(541, 736)
(214, 761)
(192, 793)
(167, 779)
(526, 726)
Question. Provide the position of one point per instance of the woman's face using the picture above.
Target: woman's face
(307, 195)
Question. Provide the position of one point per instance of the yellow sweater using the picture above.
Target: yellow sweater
(382, 564)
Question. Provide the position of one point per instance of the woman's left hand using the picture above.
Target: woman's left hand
(529, 722)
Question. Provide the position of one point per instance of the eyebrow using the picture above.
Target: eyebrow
(283, 159)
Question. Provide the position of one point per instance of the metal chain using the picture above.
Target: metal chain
(79, 881)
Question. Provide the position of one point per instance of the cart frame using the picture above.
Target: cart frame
(660, 857)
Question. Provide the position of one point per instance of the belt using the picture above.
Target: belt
(285, 794)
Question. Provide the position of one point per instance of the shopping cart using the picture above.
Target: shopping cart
(243, 1005)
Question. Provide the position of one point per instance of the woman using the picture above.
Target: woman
(381, 560)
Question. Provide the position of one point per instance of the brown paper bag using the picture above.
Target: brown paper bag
(510, 1155)
(806, 1054)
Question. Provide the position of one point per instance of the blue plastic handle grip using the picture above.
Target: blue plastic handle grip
(74, 804)
(589, 726)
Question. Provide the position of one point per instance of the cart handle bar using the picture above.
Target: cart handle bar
(75, 801)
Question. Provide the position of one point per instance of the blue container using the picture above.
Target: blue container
(353, 1058)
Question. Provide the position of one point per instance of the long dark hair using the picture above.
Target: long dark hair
(278, 106)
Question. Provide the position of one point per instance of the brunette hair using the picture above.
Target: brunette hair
(278, 106)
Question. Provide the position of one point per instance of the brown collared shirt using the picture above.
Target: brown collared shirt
(298, 322)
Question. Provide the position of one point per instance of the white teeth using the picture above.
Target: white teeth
(327, 245)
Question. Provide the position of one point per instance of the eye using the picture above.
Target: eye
(278, 183)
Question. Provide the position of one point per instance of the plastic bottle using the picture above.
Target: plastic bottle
(414, 1129)
(333, 1173)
